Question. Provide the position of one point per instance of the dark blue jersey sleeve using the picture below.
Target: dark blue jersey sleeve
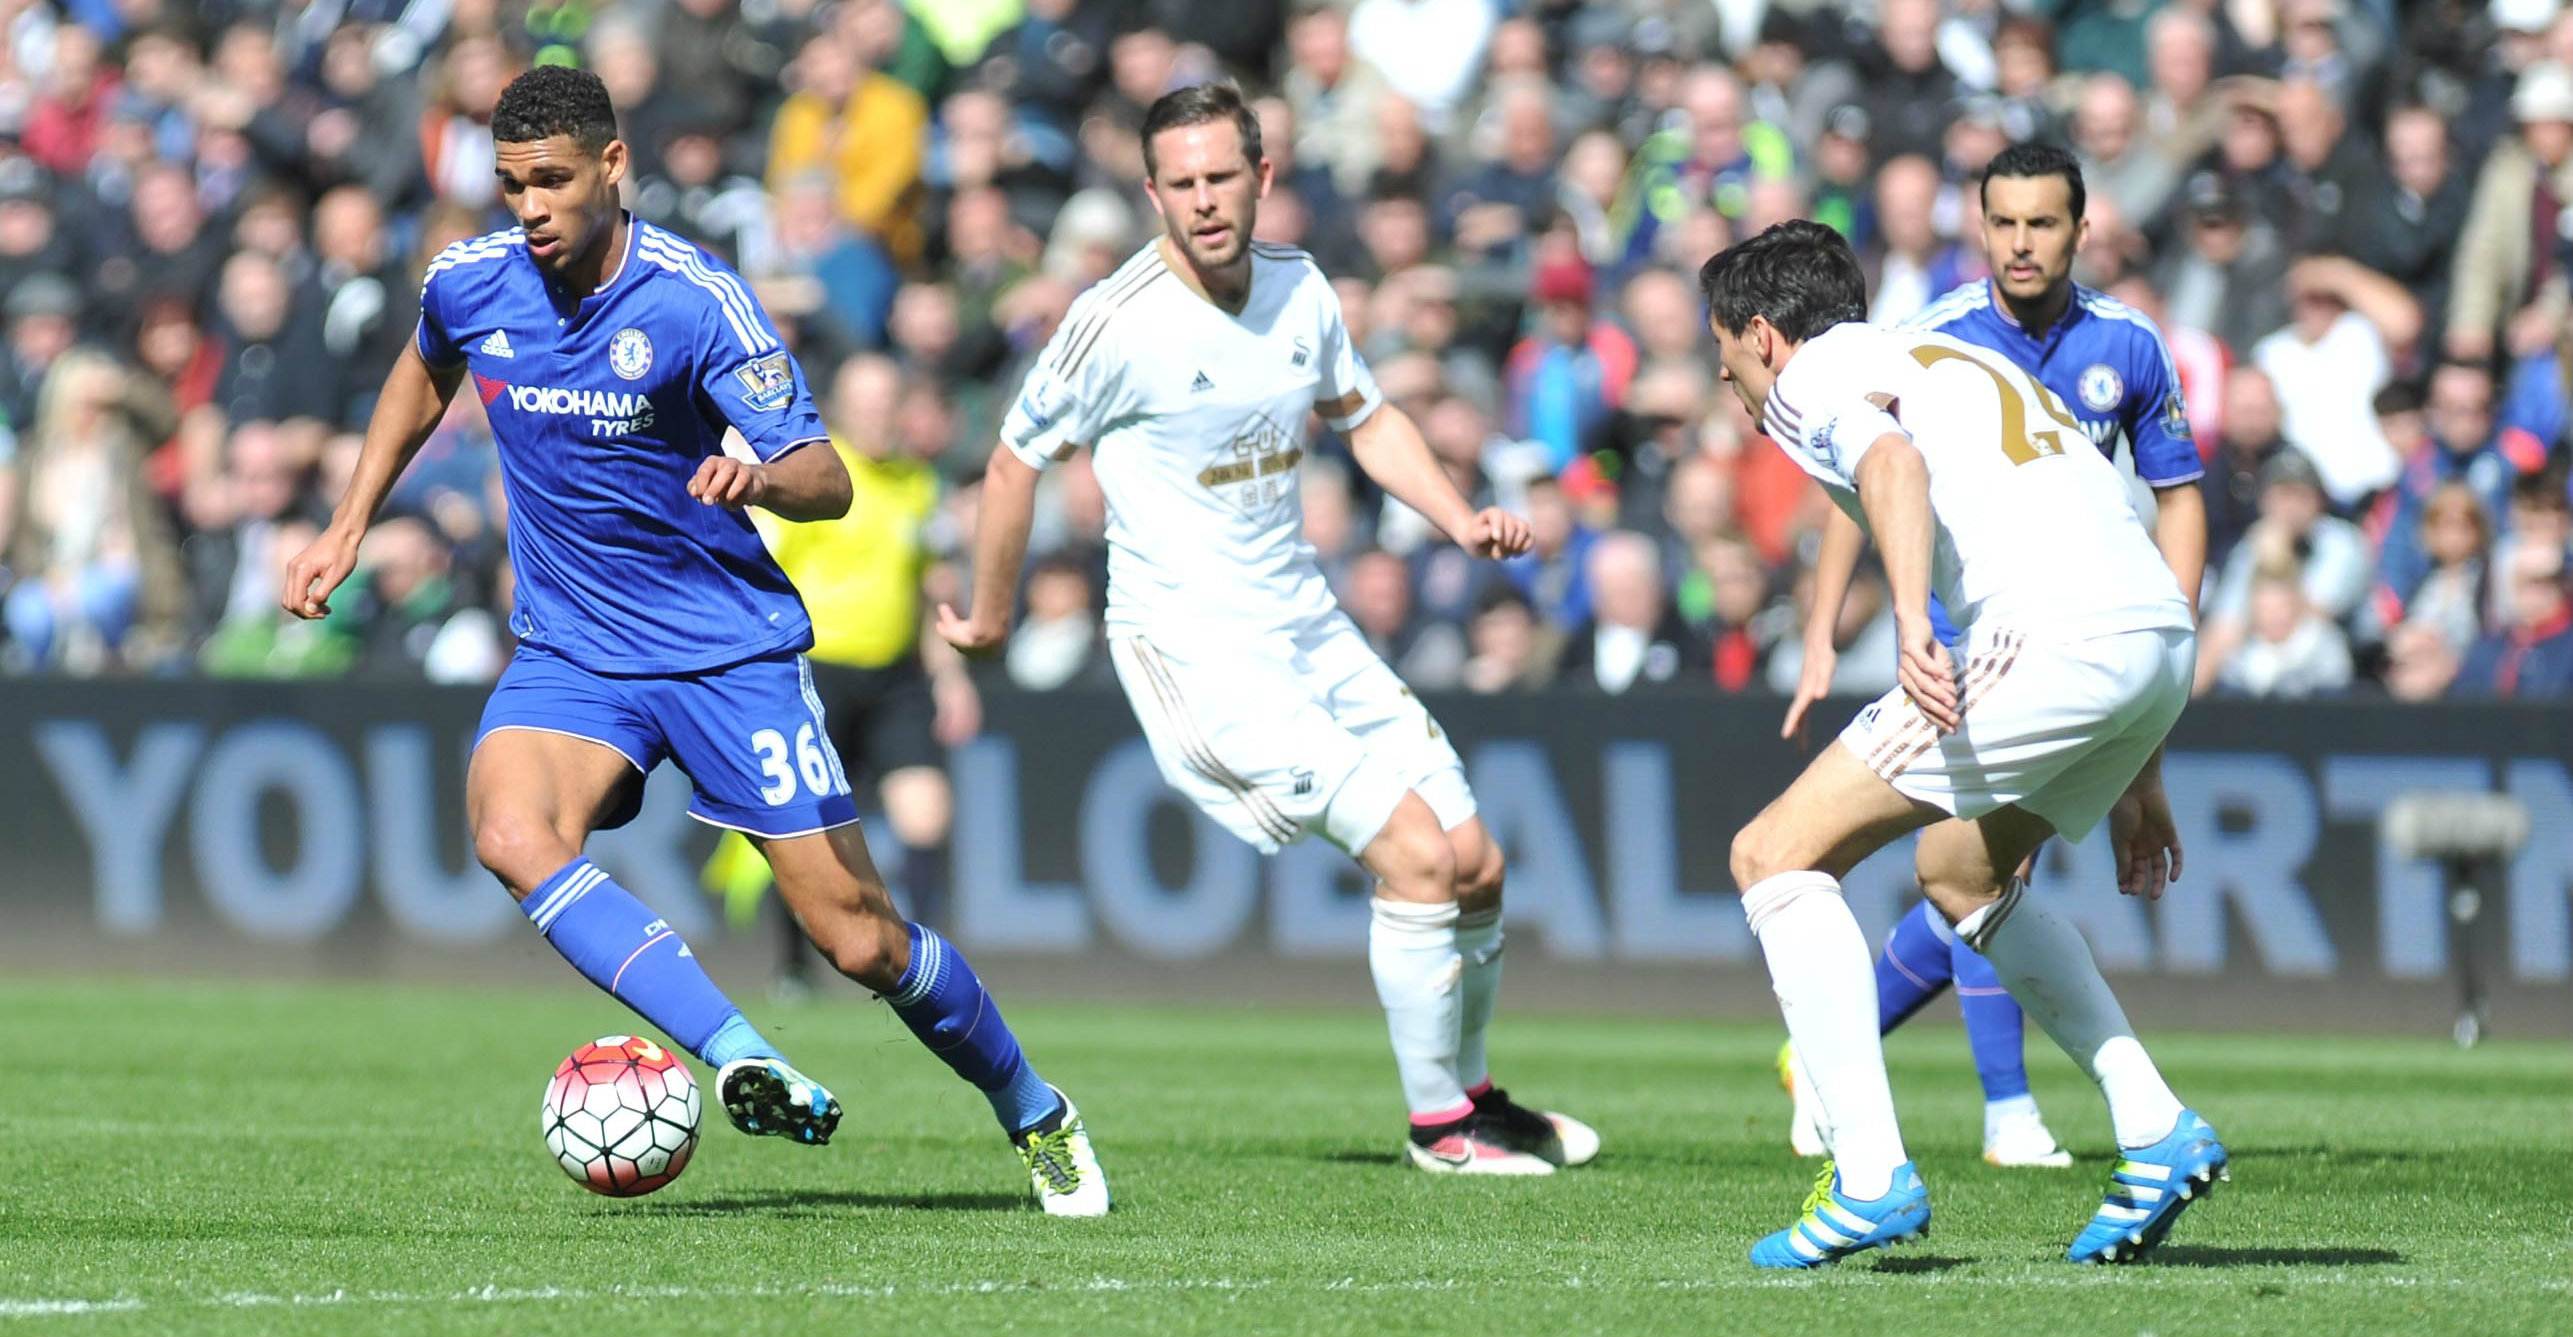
(2157, 413)
(751, 380)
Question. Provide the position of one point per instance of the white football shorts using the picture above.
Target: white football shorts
(2059, 728)
(1277, 732)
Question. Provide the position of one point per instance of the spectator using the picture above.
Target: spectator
(2328, 364)
(1554, 573)
(1335, 96)
(1841, 199)
(31, 241)
(2503, 257)
(1428, 50)
(2541, 516)
(410, 618)
(2326, 173)
(2294, 533)
(1725, 599)
(2121, 163)
(1053, 62)
(1916, 265)
(1792, 85)
(2462, 448)
(1377, 592)
(1567, 377)
(2289, 650)
(2405, 221)
(1500, 204)
(455, 131)
(1908, 89)
(1634, 636)
(276, 368)
(1058, 643)
(360, 294)
(44, 313)
(2455, 535)
(2184, 114)
(859, 127)
(91, 559)
(2531, 657)
(2228, 271)
(2247, 443)
(1510, 650)
(172, 253)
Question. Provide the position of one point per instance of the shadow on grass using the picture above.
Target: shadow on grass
(818, 1202)
(2208, 1255)
(1919, 1263)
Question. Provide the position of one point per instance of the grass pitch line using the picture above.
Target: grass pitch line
(2089, 1277)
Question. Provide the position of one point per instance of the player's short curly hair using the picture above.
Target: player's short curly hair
(1800, 276)
(555, 100)
(1201, 104)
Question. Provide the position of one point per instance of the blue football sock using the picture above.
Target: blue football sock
(1912, 969)
(942, 1002)
(1993, 1025)
(626, 949)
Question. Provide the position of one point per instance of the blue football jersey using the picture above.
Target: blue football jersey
(604, 407)
(2103, 359)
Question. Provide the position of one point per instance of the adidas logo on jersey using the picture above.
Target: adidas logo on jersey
(498, 345)
(1201, 383)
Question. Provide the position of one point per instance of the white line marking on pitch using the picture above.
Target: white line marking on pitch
(25, 1308)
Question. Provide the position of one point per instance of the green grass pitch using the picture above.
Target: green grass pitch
(211, 1158)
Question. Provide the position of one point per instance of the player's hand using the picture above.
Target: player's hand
(1928, 676)
(972, 638)
(2145, 841)
(1822, 659)
(1495, 533)
(317, 571)
(724, 481)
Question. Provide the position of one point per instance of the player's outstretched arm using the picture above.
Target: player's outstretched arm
(807, 483)
(1388, 445)
(415, 397)
(1894, 489)
(1007, 507)
(1834, 564)
(2180, 531)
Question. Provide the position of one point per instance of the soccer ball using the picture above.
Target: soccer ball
(621, 1116)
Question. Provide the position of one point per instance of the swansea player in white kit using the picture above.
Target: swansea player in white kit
(1190, 373)
(1974, 481)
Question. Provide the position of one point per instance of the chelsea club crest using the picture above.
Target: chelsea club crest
(630, 354)
(2101, 388)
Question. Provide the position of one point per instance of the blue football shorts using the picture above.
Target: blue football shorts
(750, 736)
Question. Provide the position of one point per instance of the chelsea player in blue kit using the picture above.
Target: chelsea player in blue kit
(2109, 366)
(612, 356)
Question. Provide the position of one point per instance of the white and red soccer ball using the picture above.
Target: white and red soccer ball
(621, 1116)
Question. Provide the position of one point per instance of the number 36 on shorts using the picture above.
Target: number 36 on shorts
(810, 762)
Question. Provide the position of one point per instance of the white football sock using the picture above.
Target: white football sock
(2048, 968)
(1825, 978)
(2006, 1110)
(1412, 951)
(1478, 944)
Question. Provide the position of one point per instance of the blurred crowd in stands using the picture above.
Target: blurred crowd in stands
(2352, 219)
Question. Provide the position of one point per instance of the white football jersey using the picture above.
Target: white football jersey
(2033, 526)
(1196, 422)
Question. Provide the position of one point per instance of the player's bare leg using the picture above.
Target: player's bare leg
(2169, 1155)
(1558, 1139)
(533, 798)
(831, 884)
(1789, 862)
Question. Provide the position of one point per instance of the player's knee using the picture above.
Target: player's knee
(1758, 854)
(1415, 864)
(857, 946)
(1479, 873)
(521, 849)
